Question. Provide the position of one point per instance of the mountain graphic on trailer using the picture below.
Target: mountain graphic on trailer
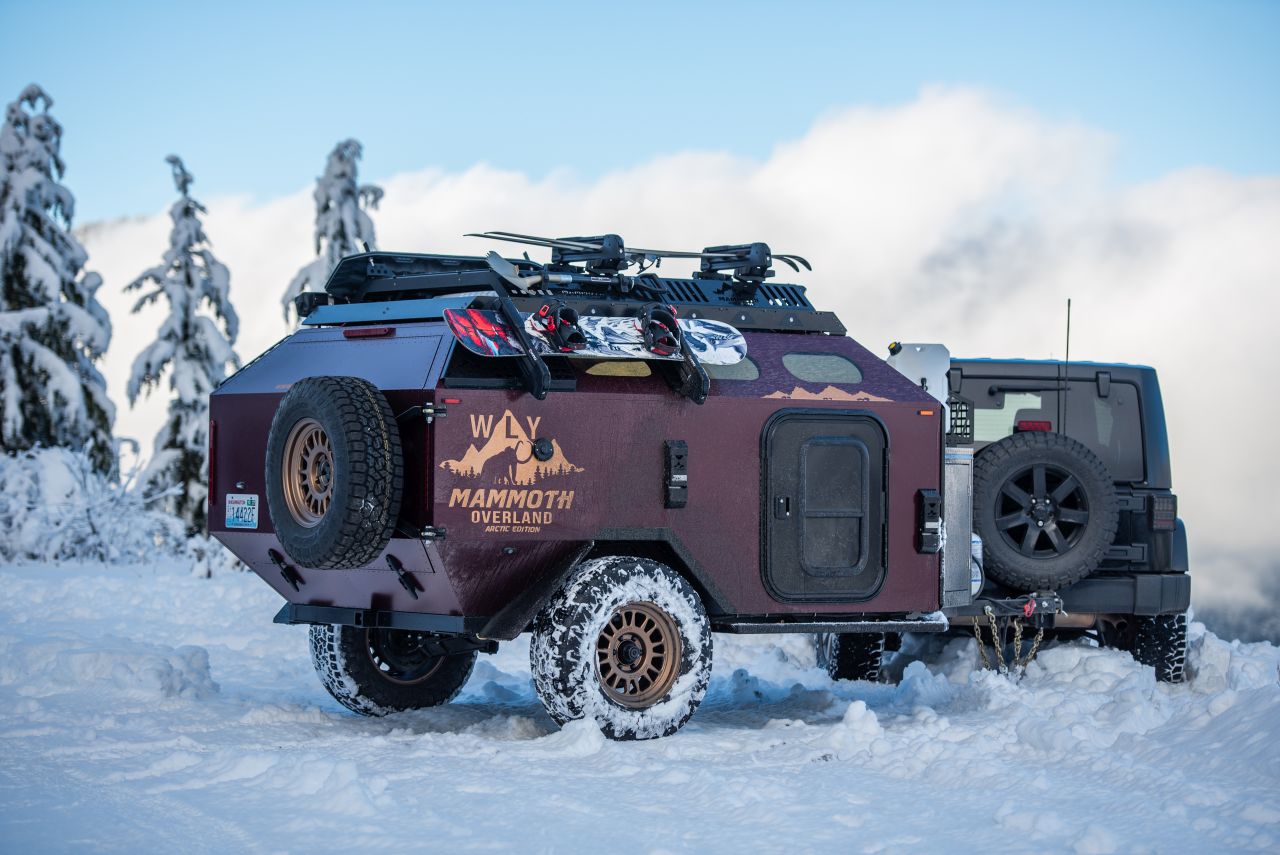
(509, 439)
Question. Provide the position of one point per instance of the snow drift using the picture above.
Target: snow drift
(150, 711)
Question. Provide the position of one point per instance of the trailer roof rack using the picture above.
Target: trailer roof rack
(589, 274)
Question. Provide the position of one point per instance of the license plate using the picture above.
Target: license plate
(242, 510)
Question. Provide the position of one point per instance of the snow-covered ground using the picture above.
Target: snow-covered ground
(145, 710)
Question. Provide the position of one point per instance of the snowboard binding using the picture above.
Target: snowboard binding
(657, 323)
(559, 324)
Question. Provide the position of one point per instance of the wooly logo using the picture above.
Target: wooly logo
(504, 437)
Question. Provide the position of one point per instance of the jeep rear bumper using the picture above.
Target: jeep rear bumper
(1132, 594)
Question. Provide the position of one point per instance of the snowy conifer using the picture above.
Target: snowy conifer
(342, 226)
(52, 328)
(192, 346)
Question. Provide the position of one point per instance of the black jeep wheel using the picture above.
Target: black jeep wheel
(625, 642)
(381, 671)
(1157, 640)
(1045, 508)
(851, 655)
(334, 472)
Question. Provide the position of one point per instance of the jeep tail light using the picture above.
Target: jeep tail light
(1164, 513)
(1025, 425)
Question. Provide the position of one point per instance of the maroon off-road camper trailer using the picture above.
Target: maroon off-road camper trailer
(418, 503)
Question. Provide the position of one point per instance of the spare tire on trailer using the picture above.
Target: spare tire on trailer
(1046, 509)
(335, 472)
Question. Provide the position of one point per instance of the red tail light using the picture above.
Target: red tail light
(368, 332)
(213, 474)
(1164, 513)
(1025, 425)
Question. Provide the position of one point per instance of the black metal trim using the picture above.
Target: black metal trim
(295, 613)
(762, 318)
(771, 624)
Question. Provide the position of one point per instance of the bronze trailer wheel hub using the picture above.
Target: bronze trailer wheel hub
(308, 473)
(638, 653)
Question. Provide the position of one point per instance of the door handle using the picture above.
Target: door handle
(782, 507)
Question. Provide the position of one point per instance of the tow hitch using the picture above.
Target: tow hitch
(1038, 609)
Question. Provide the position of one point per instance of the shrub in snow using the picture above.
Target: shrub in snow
(56, 506)
(342, 226)
(193, 347)
(52, 328)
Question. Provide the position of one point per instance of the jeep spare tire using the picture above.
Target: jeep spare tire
(335, 472)
(1046, 509)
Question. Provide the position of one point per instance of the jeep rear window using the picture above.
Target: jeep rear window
(992, 423)
(744, 370)
(821, 368)
(1110, 427)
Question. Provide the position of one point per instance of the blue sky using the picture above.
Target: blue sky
(253, 95)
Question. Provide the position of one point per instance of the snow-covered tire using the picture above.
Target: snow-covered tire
(359, 668)
(602, 648)
(851, 655)
(335, 472)
(1048, 538)
(1161, 642)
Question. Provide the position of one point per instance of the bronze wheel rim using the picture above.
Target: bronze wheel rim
(308, 473)
(638, 653)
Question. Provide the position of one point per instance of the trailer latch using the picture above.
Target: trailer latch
(930, 508)
(676, 473)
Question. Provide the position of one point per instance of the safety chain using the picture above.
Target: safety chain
(982, 648)
(1019, 664)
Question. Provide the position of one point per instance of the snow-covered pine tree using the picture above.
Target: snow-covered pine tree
(342, 226)
(192, 346)
(52, 328)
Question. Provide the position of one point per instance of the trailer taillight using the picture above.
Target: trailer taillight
(1164, 513)
(368, 332)
(212, 474)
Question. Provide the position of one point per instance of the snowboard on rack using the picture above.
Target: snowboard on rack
(484, 332)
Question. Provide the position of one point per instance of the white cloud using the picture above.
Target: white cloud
(950, 218)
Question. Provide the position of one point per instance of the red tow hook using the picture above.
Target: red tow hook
(1029, 607)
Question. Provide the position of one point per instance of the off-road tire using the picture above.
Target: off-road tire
(566, 653)
(367, 472)
(851, 655)
(1085, 544)
(1161, 642)
(346, 666)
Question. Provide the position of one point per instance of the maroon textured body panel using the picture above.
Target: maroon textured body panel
(519, 484)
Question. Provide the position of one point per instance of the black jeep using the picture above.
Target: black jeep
(1073, 493)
